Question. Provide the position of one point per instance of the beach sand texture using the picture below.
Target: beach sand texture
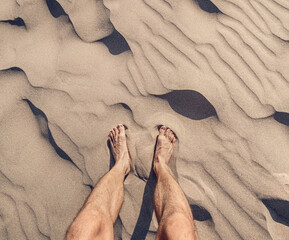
(216, 72)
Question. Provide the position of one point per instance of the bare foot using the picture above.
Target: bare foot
(165, 147)
(117, 139)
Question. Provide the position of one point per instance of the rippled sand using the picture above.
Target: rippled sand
(215, 72)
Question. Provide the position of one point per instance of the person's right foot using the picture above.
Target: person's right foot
(165, 147)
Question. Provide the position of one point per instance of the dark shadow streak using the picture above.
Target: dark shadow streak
(146, 212)
(208, 6)
(282, 117)
(200, 213)
(126, 107)
(190, 104)
(36, 111)
(111, 158)
(115, 43)
(55, 8)
(16, 22)
(279, 210)
(117, 229)
(16, 69)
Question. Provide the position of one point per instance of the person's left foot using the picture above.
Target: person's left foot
(117, 139)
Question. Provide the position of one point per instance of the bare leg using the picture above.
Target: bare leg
(172, 208)
(96, 219)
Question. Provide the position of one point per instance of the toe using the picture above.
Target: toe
(170, 135)
(162, 130)
(115, 133)
(167, 132)
(111, 134)
(121, 129)
(111, 141)
(174, 137)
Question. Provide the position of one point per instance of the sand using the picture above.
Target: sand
(215, 72)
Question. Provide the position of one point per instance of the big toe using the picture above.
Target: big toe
(121, 129)
(162, 130)
(170, 135)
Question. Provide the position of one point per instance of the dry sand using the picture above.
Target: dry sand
(62, 90)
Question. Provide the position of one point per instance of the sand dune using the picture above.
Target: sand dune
(216, 73)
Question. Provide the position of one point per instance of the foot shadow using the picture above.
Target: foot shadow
(146, 212)
(111, 158)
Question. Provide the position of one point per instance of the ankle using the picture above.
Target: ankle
(121, 167)
(160, 166)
